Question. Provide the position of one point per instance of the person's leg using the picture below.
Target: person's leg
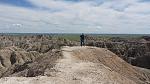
(81, 43)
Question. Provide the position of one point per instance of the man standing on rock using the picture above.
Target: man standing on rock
(82, 39)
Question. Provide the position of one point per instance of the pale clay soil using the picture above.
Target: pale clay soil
(71, 70)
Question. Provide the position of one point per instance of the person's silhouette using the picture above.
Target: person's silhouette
(82, 39)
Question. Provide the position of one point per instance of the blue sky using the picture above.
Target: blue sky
(21, 3)
(75, 16)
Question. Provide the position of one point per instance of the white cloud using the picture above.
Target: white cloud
(110, 16)
(17, 25)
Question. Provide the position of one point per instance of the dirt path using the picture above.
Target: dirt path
(71, 70)
(75, 71)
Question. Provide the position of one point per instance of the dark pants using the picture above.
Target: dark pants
(82, 43)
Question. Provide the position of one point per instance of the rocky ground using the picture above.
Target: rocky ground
(135, 51)
(42, 59)
(87, 65)
(29, 56)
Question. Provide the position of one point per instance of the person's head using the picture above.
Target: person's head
(82, 34)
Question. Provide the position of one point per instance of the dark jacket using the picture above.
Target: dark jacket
(82, 37)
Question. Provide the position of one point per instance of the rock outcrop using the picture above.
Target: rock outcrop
(134, 51)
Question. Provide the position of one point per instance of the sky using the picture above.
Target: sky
(75, 16)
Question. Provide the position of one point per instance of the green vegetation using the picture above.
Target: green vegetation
(76, 37)
(71, 37)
